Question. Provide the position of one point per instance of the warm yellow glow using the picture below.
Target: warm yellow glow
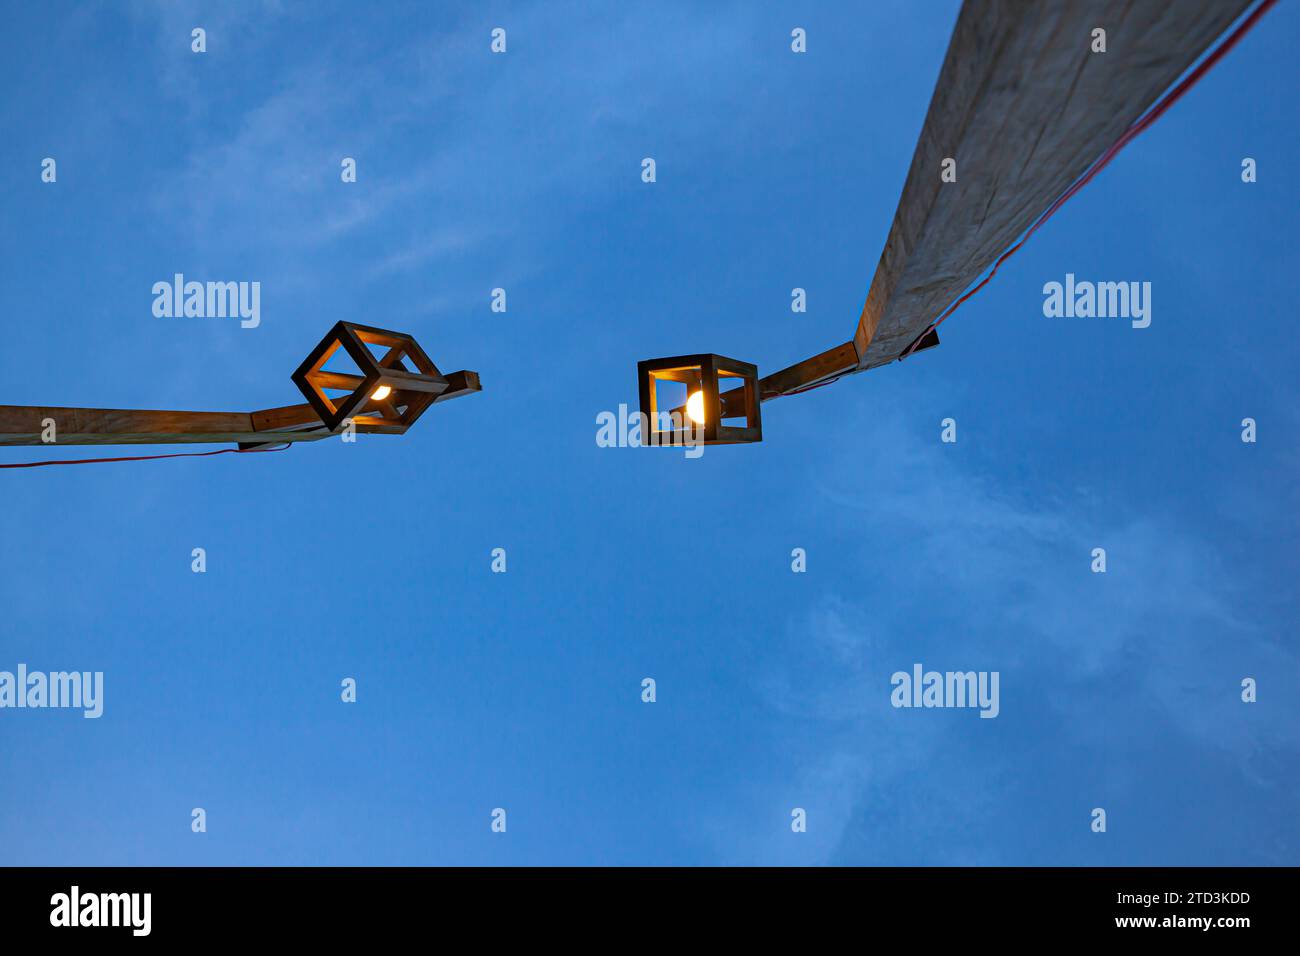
(381, 393)
(695, 408)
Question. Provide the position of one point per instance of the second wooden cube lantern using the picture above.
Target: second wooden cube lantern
(714, 400)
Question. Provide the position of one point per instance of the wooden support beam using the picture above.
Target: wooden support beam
(286, 417)
(828, 364)
(459, 384)
(410, 381)
(378, 426)
(304, 415)
(326, 379)
(24, 424)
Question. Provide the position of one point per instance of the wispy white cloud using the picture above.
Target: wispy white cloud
(978, 578)
(423, 150)
(430, 248)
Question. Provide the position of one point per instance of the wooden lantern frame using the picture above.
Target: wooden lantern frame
(706, 372)
(412, 391)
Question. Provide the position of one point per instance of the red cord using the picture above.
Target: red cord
(182, 454)
(1130, 134)
(809, 388)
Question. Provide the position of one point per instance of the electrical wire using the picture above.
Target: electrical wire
(183, 454)
(809, 388)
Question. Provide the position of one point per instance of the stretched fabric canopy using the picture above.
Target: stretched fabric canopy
(1023, 106)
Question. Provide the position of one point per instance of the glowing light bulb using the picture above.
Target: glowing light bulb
(381, 393)
(695, 408)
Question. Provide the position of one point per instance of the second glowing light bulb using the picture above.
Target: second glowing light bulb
(695, 408)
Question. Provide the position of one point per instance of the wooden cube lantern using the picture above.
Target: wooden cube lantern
(385, 398)
(387, 393)
(704, 413)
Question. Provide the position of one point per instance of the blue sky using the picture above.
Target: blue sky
(522, 690)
